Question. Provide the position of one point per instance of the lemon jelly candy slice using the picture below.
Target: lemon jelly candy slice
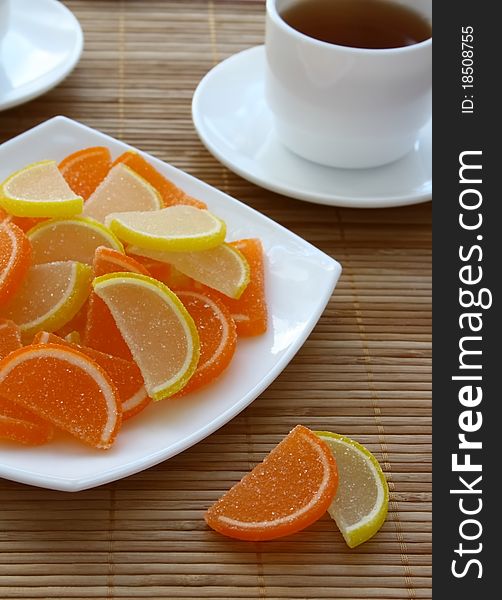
(39, 190)
(177, 228)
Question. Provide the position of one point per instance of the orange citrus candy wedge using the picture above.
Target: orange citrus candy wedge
(291, 489)
(217, 336)
(23, 426)
(49, 297)
(65, 387)
(250, 310)
(158, 270)
(39, 190)
(157, 327)
(24, 432)
(15, 259)
(101, 332)
(108, 260)
(76, 325)
(85, 169)
(125, 374)
(10, 337)
(171, 194)
(26, 223)
(70, 239)
(121, 190)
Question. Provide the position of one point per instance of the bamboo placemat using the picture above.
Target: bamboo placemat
(364, 371)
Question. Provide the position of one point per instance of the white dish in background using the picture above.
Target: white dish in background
(233, 121)
(299, 282)
(41, 47)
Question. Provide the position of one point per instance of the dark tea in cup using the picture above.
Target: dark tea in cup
(376, 24)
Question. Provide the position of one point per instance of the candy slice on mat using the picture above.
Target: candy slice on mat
(108, 260)
(250, 310)
(10, 337)
(15, 259)
(50, 295)
(65, 387)
(157, 327)
(39, 190)
(176, 228)
(70, 239)
(362, 501)
(122, 190)
(171, 194)
(288, 491)
(223, 268)
(217, 336)
(124, 374)
(85, 169)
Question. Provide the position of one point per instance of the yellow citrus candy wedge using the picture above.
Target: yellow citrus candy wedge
(121, 190)
(157, 328)
(70, 239)
(179, 228)
(39, 190)
(361, 504)
(50, 295)
(223, 268)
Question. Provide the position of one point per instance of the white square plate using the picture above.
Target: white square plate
(299, 282)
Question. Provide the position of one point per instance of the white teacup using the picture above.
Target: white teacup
(341, 106)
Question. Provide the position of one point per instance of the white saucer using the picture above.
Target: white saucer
(42, 46)
(234, 123)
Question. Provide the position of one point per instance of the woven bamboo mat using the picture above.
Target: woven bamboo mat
(364, 372)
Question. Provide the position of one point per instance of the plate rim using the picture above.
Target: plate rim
(332, 268)
(73, 58)
(313, 197)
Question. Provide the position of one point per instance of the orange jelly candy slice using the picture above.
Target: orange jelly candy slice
(15, 254)
(250, 310)
(65, 387)
(288, 491)
(25, 432)
(85, 169)
(108, 260)
(20, 425)
(101, 331)
(171, 193)
(217, 336)
(125, 374)
(10, 337)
